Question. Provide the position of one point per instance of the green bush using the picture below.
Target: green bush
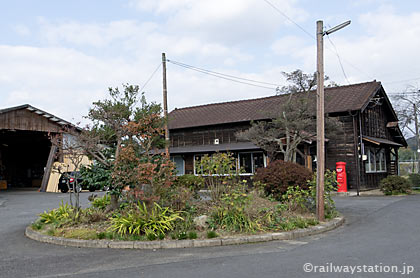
(192, 235)
(297, 199)
(330, 185)
(212, 234)
(280, 175)
(96, 176)
(414, 179)
(57, 216)
(101, 202)
(101, 235)
(393, 185)
(37, 225)
(178, 197)
(193, 182)
(144, 221)
(231, 213)
(218, 170)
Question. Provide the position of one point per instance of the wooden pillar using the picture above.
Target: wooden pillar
(48, 167)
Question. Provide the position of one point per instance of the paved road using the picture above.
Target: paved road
(379, 231)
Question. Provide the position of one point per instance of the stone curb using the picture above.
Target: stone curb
(324, 227)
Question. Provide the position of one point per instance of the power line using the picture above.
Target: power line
(226, 76)
(310, 35)
(150, 78)
(288, 18)
(339, 59)
(222, 74)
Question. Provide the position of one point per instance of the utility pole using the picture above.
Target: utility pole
(416, 123)
(165, 105)
(320, 123)
(320, 114)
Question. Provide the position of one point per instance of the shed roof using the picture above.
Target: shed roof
(338, 99)
(17, 117)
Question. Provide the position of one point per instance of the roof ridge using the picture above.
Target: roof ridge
(262, 98)
(34, 109)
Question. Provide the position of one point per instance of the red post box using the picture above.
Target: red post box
(340, 168)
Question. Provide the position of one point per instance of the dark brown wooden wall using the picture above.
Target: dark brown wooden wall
(341, 147)
(206, 135)
(24, 119)
(374, 120)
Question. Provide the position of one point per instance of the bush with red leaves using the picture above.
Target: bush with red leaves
(279, 175)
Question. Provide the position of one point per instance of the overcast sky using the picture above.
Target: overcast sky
(60, 56)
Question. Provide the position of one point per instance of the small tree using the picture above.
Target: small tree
(140, 165)
(218, 170)
(103, 139)
(125, 138)
(71, 148)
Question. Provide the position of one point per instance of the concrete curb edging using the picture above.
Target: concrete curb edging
(324, 227)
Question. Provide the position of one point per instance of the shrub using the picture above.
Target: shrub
(101, 235)
(218, 169)
(192, 235)
(393, 185)
(142, 220)
(212, 234)
(414, 179)
(96, 176)
(231, 213)
(330, 185)
(57, 216)
(37, 225)
(280, 175)
(193, 182)
(296, 198)
(101, 202)
(94, 215)
(178, 197)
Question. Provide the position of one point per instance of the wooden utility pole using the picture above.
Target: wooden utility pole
(416, 123)
(320, 123)
(165, 105)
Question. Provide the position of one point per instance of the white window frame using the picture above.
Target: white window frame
(373, 155)
(237, 157)
(252, 162)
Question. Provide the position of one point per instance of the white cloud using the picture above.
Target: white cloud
(287, 45)
(230, 22)
(94, 34)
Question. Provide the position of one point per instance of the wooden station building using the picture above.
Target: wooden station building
(368, 143)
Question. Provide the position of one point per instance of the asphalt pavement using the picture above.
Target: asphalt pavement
(381, 235)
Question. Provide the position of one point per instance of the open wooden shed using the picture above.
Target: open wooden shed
(26, 152)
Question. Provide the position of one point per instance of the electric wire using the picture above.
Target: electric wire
(339, 60)
(151, 76)
(310, 35)
(288, 18)
(222, 74)
(225, 76)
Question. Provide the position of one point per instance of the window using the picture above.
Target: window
(376, 160)
(179, 164)
(250, 162)
(245, 163)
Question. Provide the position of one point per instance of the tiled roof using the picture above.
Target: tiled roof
(337, 99)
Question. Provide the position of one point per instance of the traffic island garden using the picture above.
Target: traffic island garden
(148, 204)
(233, 212)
